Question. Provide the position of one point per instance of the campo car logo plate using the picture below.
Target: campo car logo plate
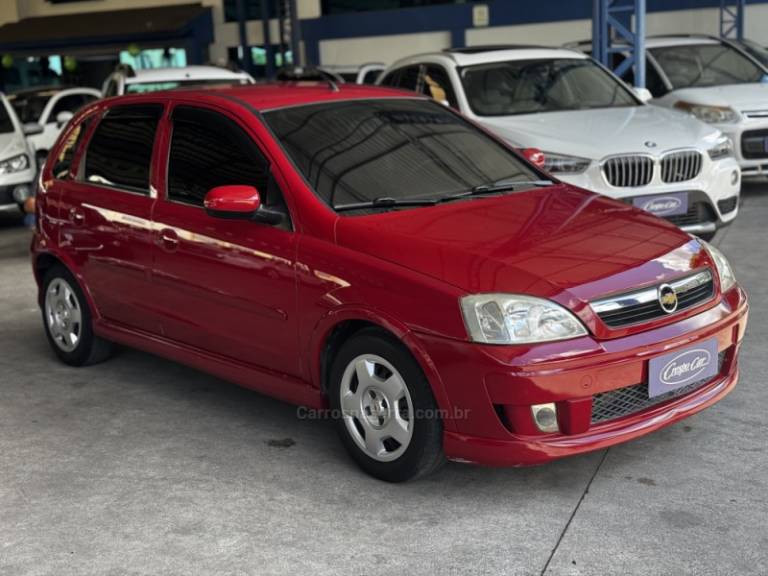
(682, 367)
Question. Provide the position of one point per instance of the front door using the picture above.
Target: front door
(224, 286)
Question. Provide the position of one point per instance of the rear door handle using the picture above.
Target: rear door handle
(169, 239)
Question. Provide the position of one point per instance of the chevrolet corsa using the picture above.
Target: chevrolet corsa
(376, 258)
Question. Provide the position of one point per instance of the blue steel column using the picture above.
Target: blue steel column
(247, 61)
(732, 19)
(268, 52)
(618, 27)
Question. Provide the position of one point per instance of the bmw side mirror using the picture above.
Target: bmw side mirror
(239, 202)
(644, 94)
(62, 118)
(32, 129)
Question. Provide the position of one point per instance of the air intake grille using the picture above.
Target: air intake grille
(643, 305)
(754, 144)
(625, 401)
(628, 171)
(728, 204)
(680, 166)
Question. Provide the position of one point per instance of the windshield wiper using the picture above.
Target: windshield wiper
(386, 202)
(501, 186)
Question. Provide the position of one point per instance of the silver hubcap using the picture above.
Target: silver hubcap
(63, 315)
(376, 407)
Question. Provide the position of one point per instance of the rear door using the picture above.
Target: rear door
(224, 286)
(106, 214)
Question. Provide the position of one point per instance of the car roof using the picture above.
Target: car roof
(263, 97)
(661, 41)
(489, 54)
(186, 73)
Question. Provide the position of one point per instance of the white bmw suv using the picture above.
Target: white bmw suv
(594, 131)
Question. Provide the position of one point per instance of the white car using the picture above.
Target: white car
(363, 74)
(594, 131)
(17, 160)
(719, 82)
(49, 108)
(126, 80)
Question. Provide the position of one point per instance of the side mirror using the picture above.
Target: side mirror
(31, 129)
(62, 118)
(644, 94)
(237, 202)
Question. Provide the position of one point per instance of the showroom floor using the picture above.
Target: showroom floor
(141, 466)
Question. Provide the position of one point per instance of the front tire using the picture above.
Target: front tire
(68, 321)
(384, 409)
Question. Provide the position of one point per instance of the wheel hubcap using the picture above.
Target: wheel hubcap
(63, 315)
(376, 407)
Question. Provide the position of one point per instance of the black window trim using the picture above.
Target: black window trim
(151, 192)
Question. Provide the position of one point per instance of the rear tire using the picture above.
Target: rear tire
(384, 409)
(68, 321)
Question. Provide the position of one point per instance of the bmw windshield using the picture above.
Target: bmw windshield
(543, 85)
(391, 153)
(697, 65)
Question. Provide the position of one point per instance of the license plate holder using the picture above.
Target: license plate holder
(682, 367)
(672, 204)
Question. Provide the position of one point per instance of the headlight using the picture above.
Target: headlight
(513, 319)
(15, 164)
(724, 270)
(710, 114)
(723, 149)
(562, 164)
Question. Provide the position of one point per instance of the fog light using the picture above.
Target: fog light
(735, 177)
(21, 193)
(545, 417)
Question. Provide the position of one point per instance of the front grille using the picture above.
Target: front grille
(643, 305)
(625, 401)
(680, 166)
(754, 144)
(628, 171)
(6, 195)
(698, 213)
(728, 204)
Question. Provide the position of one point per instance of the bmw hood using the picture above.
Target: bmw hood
(741, 97)
(602, 132)
(558, 242)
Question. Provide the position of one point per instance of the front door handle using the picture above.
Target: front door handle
(169, 239)
(76, 216)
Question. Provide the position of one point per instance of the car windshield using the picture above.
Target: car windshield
(706, 65)
(141, 87)
(399, 150)
(755, 50)
(546, 85)
(29, 108)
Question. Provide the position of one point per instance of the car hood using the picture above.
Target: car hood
(558, 242)
(741, 97)
(602, 132)
(11, 144)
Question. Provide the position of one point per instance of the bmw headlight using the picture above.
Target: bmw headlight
(724, 270)
(517, 319)
(562, 164)
(723, 149)
(710, 114)
(15, 164)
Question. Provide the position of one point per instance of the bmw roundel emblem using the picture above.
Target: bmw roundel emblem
(667, 298)
(650, 144)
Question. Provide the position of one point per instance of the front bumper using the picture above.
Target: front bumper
(491, 388)
(9, 183)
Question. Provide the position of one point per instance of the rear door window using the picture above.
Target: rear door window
(437, 85)
(119, 154)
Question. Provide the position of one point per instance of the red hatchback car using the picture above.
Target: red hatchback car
(375, 257)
